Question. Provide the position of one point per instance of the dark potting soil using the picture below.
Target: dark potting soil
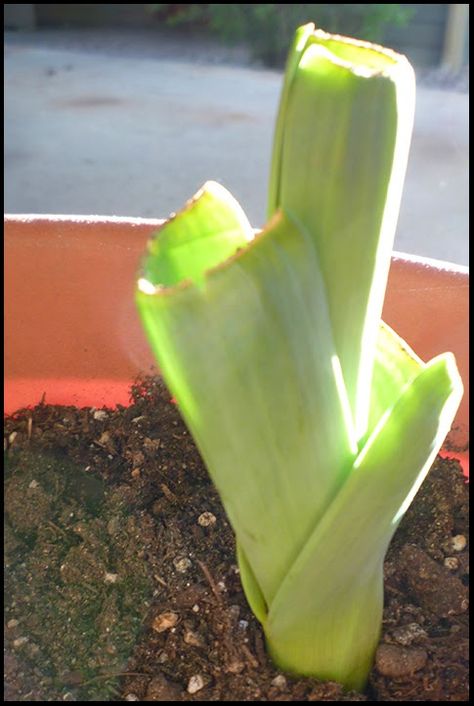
(121, 579)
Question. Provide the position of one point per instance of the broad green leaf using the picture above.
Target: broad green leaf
(249, 355)
(326, 617)
(395, 365)
(339, 161)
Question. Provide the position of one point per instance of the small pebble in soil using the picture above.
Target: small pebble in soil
(234, 611)
(458, 543)
(405, 634)
(110, 578)
(100, 415)
(192, 638)
(19, 642)
(182, 564)
(451, 563)
(33, 484)
(195, 684)
(165, 621)
(131, 697)
(235, 667)
(279, 681)
(12, 623)
(395, 662)
(206, 519)
(195, 608)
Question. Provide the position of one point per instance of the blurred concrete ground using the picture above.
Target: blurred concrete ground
(132, 124)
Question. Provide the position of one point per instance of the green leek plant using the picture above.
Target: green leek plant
(317, 423)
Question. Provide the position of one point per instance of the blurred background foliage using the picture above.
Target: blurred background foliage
(269, 28)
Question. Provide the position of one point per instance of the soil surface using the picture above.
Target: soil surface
(122, 585)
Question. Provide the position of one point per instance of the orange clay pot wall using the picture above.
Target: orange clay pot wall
(73, 336)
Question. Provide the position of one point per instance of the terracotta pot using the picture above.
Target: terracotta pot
(72, 333)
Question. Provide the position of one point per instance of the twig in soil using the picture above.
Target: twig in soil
(56, 528)
(250, 657)
(30, 426)
(260, 650)
(112, 675)
(106, 447)
(160, 580)
(169, 495)
(211, 582)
